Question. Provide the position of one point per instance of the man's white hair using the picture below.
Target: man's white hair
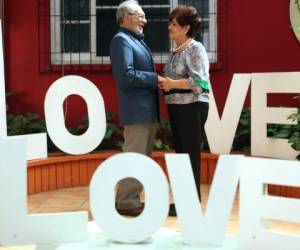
(125, 7)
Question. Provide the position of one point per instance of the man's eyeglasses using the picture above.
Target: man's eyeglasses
(141, 16)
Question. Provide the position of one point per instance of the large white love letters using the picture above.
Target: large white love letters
(261, 115)
(55, 120)
(219, 141)
(220, 131)
(102, 191)
(257, 207)
(17, 227)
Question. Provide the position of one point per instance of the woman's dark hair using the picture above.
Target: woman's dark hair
(186, 15)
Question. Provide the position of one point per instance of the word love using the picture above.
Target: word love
(219, 142)
(197, 228)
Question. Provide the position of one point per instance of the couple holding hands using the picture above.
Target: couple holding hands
(185, 84)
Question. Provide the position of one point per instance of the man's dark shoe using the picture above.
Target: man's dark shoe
(172, 210)
(134, 212)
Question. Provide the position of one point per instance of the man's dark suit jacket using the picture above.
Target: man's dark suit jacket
(134, 73)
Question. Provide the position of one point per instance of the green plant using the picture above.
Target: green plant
(284, 131)
(294, 138)
(241, 141)
(112, 137)
(242, 136)
(163, 140)
(32, 123)
(281, 131)
(29, 123)
(290, 132)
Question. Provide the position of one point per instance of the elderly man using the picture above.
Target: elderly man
(136, 79)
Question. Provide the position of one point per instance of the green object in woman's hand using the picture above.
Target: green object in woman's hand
(202, 83)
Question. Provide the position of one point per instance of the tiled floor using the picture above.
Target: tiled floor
(77, 199)
(69, 199)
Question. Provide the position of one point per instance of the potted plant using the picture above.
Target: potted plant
(290, 132)
(294, 136)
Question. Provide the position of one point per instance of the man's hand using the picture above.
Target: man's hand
(161, 79)
(165, 84)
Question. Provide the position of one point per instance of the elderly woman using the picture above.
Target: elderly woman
(186, 87)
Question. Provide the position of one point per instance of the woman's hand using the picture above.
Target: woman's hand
(166, 84)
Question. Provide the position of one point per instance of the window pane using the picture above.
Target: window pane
(156, 30)
(76, 10)
(202, 6)
(106, 27)
(153, 2)
(141, 2)
(203, 35)
(76, 38)
(108, 2)
(75, 20)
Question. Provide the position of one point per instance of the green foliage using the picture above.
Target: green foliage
(294, 137)
(163, 139)
(242, 136)
(112, 135)
(29, 123)
(280, 131)
(32, 123)
(241, 141)
(284, 131)
(290, 132)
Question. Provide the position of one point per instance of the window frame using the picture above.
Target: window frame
(90, 58)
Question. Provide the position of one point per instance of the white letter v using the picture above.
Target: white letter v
(210, 229)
